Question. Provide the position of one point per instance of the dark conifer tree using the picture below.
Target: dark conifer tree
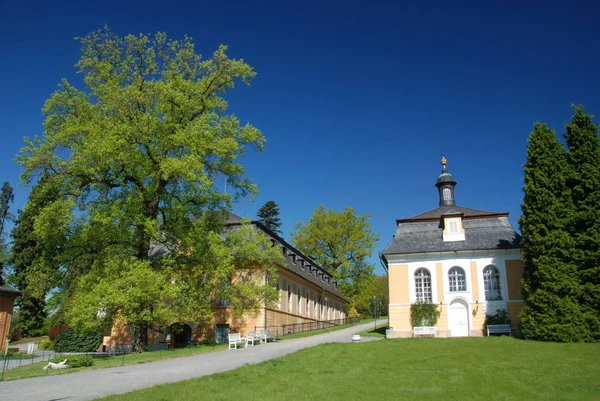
(34, 261)
(6, 197)
(550, 285)
(269, 216)
(583, 182)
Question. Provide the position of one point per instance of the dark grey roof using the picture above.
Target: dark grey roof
(297, 262)
(492, 231)
(445, 210)
(9, 292)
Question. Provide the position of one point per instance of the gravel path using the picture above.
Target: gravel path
(92, 384)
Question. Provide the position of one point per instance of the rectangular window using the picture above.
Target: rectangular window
(221, 333)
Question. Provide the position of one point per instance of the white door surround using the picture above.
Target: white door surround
(458, 318)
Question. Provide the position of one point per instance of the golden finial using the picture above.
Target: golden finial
(444, 161)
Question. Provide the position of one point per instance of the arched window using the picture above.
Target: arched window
(423, 285)
(447, 194)
(457, 279)
(491, 283)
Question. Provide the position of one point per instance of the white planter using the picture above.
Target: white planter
(356, 338)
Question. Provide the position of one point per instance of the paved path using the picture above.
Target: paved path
(92, 384)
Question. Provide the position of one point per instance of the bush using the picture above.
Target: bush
(76, 361)
(70, 341)
(423, 314)
(53, 332)
(46, 344)
(15, 335)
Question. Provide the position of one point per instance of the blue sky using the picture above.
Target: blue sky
(357, 100)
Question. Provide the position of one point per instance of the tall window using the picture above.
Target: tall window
(299, 302)
(306, 310)
(457, 279)
(447, 194)
(289, 305)
(491, 283)
(423, 285)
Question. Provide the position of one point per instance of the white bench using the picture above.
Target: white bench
(235, 339)
(498, 328)
(265, 336)
(251, 337)
(424, 331)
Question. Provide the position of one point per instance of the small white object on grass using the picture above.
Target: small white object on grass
(52, 365)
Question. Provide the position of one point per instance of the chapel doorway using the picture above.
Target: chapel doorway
(458, 318)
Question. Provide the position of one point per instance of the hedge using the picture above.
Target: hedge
(70, 341)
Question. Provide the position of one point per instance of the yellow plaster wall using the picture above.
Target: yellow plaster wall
(398, 284)
(442, 323)
(400, 318)
(514, 274)
(514, 312)
(474, 281)
(478, 318)
(440, 282)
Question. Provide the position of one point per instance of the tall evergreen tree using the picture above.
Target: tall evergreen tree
(6, 197)
(584, 185)
(34, 261)
(268, 215)
(550, 285)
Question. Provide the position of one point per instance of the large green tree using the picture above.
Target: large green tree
(583, 182)
(342, 243)
(6, 197)
(550, 285)
(268, 215)
(136, 155)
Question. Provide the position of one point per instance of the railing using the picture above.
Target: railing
(294, 328)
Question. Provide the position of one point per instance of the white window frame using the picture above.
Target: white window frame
(422, 278)
(457, 279)
(492, 283)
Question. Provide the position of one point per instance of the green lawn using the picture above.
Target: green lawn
(35, 369)
(378, 331)
(495, 368)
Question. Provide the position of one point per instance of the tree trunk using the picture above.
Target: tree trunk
(140, 336)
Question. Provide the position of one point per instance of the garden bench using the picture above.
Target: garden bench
(498, 328)
(119, 349)
(251, 337)
(265, 336)
(424, 331)
(235, 339)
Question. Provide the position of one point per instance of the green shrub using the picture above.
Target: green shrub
(70, 341)
(423, 314)
(46, 344)
(76, 361)
(500, 317)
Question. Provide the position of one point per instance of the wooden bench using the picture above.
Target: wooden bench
(251, 337)
(498, 329)
(235, 339)
(265, 336)
(424, 331)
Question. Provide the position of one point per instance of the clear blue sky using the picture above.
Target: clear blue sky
(357, 100)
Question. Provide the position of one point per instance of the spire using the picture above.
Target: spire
(445, 185)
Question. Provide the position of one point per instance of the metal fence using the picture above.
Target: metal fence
(294, 328)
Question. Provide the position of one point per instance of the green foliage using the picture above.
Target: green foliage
(268, 215)
(584, 187)
(557, 244)
(72, 341)
(341, 242)
(423, 314)
(500, 317)
(46, 344)
(137, 156)
(76, 361)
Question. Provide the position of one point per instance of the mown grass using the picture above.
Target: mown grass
(35, 369)
(494, 368)
(378, 331)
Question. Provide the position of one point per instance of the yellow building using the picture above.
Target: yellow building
(308, 298)
(465, 261)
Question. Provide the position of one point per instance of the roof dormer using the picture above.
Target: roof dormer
(453, 227)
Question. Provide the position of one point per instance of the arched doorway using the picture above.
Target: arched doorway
(181, 334)
(458, 318)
